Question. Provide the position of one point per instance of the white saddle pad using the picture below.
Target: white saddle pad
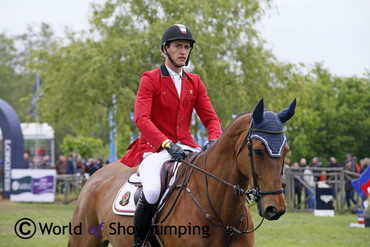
(124, 203)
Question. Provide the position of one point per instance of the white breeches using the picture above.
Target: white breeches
(150, 172)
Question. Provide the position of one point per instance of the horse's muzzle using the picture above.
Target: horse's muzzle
(272, 213)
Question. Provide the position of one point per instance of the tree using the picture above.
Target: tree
(81, 78)
(331, 117)
(85, 146)
(15, 84)
(84, 72)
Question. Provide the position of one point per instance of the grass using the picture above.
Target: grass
(11, 212)
(305, 230)
(293, 229)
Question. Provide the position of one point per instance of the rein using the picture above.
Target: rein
(256, 192)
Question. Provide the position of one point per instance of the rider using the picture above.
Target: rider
(163, 109)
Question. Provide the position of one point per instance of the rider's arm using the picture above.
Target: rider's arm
(143, 108)
(207, 114)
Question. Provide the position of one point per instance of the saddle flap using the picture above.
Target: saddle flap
(167, 171)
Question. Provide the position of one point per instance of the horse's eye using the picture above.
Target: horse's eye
(258, 152)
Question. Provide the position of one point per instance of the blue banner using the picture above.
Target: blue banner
(35, 95)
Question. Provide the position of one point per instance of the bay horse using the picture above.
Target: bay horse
(211, 210)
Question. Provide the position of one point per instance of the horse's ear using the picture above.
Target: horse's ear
(288, 113)
(258, 111)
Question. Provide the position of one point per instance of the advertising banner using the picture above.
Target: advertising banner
(28, 185)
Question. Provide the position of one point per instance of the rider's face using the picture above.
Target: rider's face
(179, 51)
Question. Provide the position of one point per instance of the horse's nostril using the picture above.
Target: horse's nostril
(272, 213)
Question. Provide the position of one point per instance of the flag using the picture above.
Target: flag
(362, 184)
(35, 95)
(112, 144)
(112, 133)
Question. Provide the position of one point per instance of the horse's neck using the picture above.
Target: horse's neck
(221, 162)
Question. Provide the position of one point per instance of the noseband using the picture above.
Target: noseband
(248, 140)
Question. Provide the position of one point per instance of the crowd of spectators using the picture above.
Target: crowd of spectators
(309, 177)
(73, 165)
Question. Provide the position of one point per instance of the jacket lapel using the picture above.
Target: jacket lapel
(166, 78)
(184, 86)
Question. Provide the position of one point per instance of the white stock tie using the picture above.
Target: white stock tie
(177, 80)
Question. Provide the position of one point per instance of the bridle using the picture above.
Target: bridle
(256, 191)
(248, 141)
(218, 222)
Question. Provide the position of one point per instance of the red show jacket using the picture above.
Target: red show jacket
(160, 114)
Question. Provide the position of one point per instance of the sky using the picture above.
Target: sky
(335, 33)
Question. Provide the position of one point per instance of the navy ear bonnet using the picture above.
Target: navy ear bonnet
(274, 142)
(268, 122)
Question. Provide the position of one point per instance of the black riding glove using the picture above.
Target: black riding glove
(205, 147)
(175, 151)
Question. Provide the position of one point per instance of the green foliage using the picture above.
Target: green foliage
(85, 146)
(331, 118)
(14, 85)
(82, 77)
(84, 72)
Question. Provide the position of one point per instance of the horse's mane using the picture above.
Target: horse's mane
(236, 118)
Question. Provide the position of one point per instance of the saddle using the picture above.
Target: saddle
(169, 169)
(128, 196)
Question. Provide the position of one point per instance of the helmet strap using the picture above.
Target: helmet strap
(169, 57)
(173, 63)
(187, 61)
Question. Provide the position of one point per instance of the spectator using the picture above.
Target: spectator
(61, 165)
(331, 179)
(333, 164)
(355, 167)
(348, 188)
(316, 164)
(79, 164)
(46, 162)
(283, 176)
(297, 186)
(27, 162)
(91, 166)
(72, 164)
(309, 184)
(358, 167)
(61, 168)
(99, 163)
(365, 164)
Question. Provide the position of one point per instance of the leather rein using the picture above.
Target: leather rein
(255, 192)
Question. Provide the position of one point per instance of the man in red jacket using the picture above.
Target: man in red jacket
(163, 110)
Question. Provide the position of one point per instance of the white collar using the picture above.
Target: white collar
(173, 73)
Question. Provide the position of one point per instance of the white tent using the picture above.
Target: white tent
(38, 135)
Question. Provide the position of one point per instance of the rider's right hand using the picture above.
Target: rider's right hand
(174, 150)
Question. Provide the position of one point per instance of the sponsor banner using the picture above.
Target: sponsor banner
(33, 185)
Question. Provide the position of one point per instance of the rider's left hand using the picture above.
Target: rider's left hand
(205, 147)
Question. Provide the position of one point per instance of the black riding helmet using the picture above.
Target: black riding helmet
(176, 32)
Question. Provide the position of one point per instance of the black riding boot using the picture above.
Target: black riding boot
(142, 220)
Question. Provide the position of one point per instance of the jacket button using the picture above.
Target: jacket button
(178, 126)
(178, 116)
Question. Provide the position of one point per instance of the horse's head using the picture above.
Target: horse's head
(260, 156)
